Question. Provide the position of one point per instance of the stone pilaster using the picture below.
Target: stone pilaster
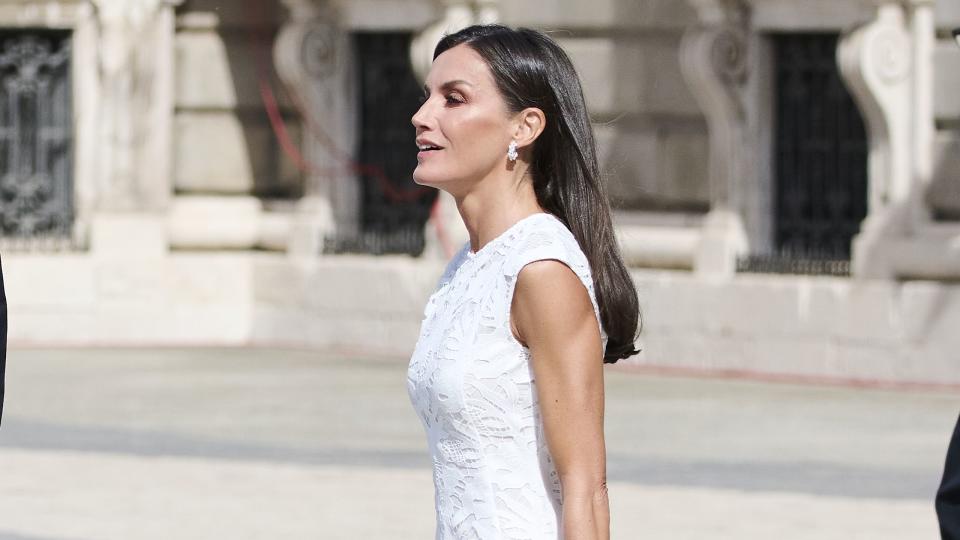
(134, 110)
(314, 59)
(923, 35)
(714, 62)
(135, 105)
(155, 166)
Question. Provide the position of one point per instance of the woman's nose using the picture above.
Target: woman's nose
(419, 118)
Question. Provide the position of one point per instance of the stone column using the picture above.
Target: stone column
(314, 58)
(85, 68)
(887, 64)
(714, 62)
(445, 232)
(156, 154)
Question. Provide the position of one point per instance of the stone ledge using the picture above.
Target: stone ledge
(659, 246)
(214, 222)
(128, 236)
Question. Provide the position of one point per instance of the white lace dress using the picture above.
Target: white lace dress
(471, 383)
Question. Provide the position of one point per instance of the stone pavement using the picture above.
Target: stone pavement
(276, 444)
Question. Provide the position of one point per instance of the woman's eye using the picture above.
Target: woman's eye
(454, 99)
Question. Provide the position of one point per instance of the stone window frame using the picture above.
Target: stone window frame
(78, 18)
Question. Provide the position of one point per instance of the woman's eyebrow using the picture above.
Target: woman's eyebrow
(448, 85)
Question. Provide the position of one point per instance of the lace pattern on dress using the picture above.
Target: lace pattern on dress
(471, 384)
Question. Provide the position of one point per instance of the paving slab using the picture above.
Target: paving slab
(268, 443)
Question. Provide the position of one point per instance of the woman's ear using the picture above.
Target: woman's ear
(529, 124)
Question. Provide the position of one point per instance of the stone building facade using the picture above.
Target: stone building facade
(214, 152)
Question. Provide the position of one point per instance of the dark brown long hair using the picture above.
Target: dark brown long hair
(531, 70)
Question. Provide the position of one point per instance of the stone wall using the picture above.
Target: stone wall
(226, 158)
(651, 134)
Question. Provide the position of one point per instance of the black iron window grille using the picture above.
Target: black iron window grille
(820, 190)
(36, 169)
(394, 210)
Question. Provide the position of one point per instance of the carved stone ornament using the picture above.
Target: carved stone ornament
(875, 63)
(313, 57)
(122, 22)
(891, 54)
(713, 61)
(714, 58)
(319, 49)
(888, 65)
(729, 53)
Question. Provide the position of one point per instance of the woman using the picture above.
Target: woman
(507, 374)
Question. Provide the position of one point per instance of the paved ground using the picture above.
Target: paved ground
(275, 444)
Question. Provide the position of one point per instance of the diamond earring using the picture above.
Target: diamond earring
(512, 151)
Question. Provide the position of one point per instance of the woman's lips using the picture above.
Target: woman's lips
(421, 155)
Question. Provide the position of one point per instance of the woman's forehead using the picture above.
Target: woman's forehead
(459, 64)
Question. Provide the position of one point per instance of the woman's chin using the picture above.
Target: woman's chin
(425, 179)
(429, 177)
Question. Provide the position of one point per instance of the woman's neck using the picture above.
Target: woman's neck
(494, 205)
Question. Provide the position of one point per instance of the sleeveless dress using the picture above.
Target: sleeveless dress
(472, 386)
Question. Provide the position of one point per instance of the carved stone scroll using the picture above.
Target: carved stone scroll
(875, 62)
(713, 58)
(887, 63)
(314, 59)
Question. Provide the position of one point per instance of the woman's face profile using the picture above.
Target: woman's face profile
(463, 127)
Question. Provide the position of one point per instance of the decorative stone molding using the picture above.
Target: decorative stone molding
(875, 61)
(888, 66)
(714, 60)
(313, 57)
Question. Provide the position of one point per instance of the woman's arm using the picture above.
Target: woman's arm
(553, 316)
